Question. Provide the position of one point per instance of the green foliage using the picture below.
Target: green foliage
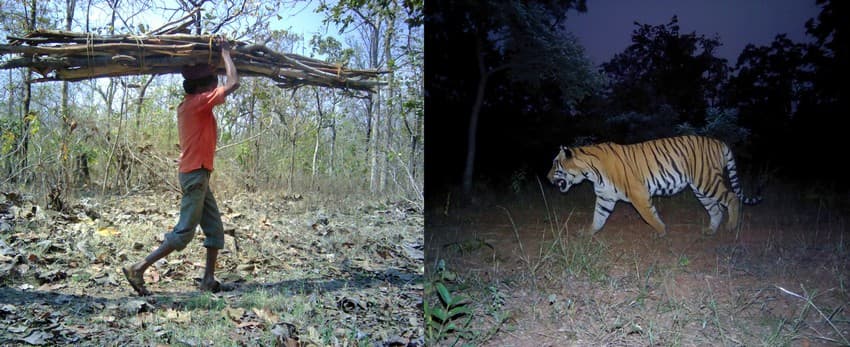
(666, 68)
(414, 8)
(719, 123)
(414, 105)
(92, 152)
(243, 155)
(769, 80)
(332, 49)
(633, 126)
(518, 180)
(8, 135)
(538, 52)
(344, 13)
(283, 40)
(441, 320)
(684, 260)
(33, 124)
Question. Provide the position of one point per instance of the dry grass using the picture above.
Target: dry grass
(783, 281)
(337, 274)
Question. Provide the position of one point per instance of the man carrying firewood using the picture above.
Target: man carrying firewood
(198, 133)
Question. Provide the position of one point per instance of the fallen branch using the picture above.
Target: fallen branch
(70, 56)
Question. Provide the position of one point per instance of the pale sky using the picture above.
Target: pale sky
(302, 19)
(298, 18)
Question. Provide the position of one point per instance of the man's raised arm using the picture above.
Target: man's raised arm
(232, 81)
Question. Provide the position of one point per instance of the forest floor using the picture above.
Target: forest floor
(308, 271)
(529, 277)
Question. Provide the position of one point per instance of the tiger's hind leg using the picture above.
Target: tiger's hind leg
(733, 207)
(712, 206)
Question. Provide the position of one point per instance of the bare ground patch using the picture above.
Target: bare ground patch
(309, 270)
(533, 280)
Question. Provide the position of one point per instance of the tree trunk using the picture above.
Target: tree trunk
(88, 16)
(67, 119)
(198, 27)
(293, 139)
(368, 125)
(108, 98)
(70, 6)
(368, 158)
(373, 111)
(11, 86)
(10, 104)
(414, 143)
(25, 128)
(82, 170)
(66, 125)
(26, 118)
(469, 168)
(281, 132)
(331, 160)
(253, 160)
(114, 6)
(291, 163)
(389, 104)
(141, 101)
(383, 149)
(374, 169)
(319, 125)
(416, 132)
(122, 161)
(315, 157)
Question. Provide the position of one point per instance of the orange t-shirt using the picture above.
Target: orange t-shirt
(197, 128)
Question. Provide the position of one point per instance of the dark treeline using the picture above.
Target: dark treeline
(526, 80)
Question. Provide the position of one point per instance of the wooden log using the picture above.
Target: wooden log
(69, 56)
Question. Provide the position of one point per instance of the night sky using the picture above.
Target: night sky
(605, 29)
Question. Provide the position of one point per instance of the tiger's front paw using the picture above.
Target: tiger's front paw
(587, 231)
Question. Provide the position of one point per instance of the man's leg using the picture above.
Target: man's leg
(135, 273)
(214, 232)
(194, 186)
(208, 283)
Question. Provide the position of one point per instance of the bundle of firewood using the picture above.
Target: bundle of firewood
(69, 56)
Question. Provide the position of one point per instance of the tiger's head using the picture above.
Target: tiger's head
(564, 172)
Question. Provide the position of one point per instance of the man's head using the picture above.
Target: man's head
(198, 78)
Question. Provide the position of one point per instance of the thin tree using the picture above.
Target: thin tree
(27, 117)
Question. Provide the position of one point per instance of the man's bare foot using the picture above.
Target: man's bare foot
(136, 280)
(210, 286)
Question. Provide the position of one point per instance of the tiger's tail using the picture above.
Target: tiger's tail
(733, 179)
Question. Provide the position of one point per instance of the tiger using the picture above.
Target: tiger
(635, 173)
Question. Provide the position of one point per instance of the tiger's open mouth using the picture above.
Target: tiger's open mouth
(562, 185)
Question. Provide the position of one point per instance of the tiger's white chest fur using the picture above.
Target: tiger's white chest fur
(605, 189)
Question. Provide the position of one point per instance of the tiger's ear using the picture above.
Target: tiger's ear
(567, 152)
